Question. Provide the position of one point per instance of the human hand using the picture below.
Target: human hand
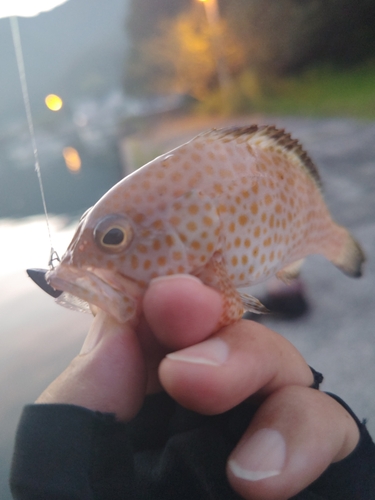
(297, 431)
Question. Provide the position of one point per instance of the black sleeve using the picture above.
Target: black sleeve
(165, 453)
(353, 478)
(67, 452)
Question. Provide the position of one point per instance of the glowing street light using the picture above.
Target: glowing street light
(213, 18)
(72, 159)
(53, 102)
(212, 11)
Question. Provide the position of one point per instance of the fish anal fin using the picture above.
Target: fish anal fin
(290, 272)
(252, 304)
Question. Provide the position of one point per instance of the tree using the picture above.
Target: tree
(282, 36)
(183, 56)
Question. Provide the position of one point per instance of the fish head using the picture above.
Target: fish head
(114, 254)
(96, 265)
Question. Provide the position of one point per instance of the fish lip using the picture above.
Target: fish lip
(101, 287)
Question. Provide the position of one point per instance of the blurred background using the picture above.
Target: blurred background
(114, 83)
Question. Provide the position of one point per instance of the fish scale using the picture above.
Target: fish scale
(232, 207)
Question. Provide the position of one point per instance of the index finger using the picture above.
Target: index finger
(239, 361)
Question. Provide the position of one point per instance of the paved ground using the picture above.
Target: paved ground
(337, 337)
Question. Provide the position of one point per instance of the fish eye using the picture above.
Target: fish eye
(115, 236)
(113, 233)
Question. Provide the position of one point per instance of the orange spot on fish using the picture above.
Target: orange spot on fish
(177, 255)
(139, 218)
(156, 245)
(268, 199)
(208, 221)
(142, 248)
(243, 220)
(158, 224)
(174, 220)
(254, 208)
(169, 240)
(134, 262)
(193, 209)
(218, 188)
(210, 247)
(267, 242)
(162, 261)
(191, 226)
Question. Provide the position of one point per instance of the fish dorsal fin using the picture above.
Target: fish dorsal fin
(265, 136)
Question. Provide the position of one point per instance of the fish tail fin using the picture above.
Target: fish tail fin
(346, 253)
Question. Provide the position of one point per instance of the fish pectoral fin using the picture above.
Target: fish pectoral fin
(252, 304)
(290, 272)
(215, 275)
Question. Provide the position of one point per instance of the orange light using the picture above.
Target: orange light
(72, 159)
(53, 102)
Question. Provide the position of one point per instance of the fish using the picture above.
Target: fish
(232, 207)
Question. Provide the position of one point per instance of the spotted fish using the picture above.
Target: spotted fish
(233, 207)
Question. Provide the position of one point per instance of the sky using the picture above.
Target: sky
(27, 7)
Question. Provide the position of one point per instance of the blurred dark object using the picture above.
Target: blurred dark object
(277, 36)
(285, 302)
(39, 278)
(282, 36)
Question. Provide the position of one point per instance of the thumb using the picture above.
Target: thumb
(108, 375)
(295, 435)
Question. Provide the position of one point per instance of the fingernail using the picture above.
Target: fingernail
(172, 277)
(262, 456)
(213, 352)
(95, 334)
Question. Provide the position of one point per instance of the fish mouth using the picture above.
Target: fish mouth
(112, 292)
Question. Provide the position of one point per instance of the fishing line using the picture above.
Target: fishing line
(21, 71)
